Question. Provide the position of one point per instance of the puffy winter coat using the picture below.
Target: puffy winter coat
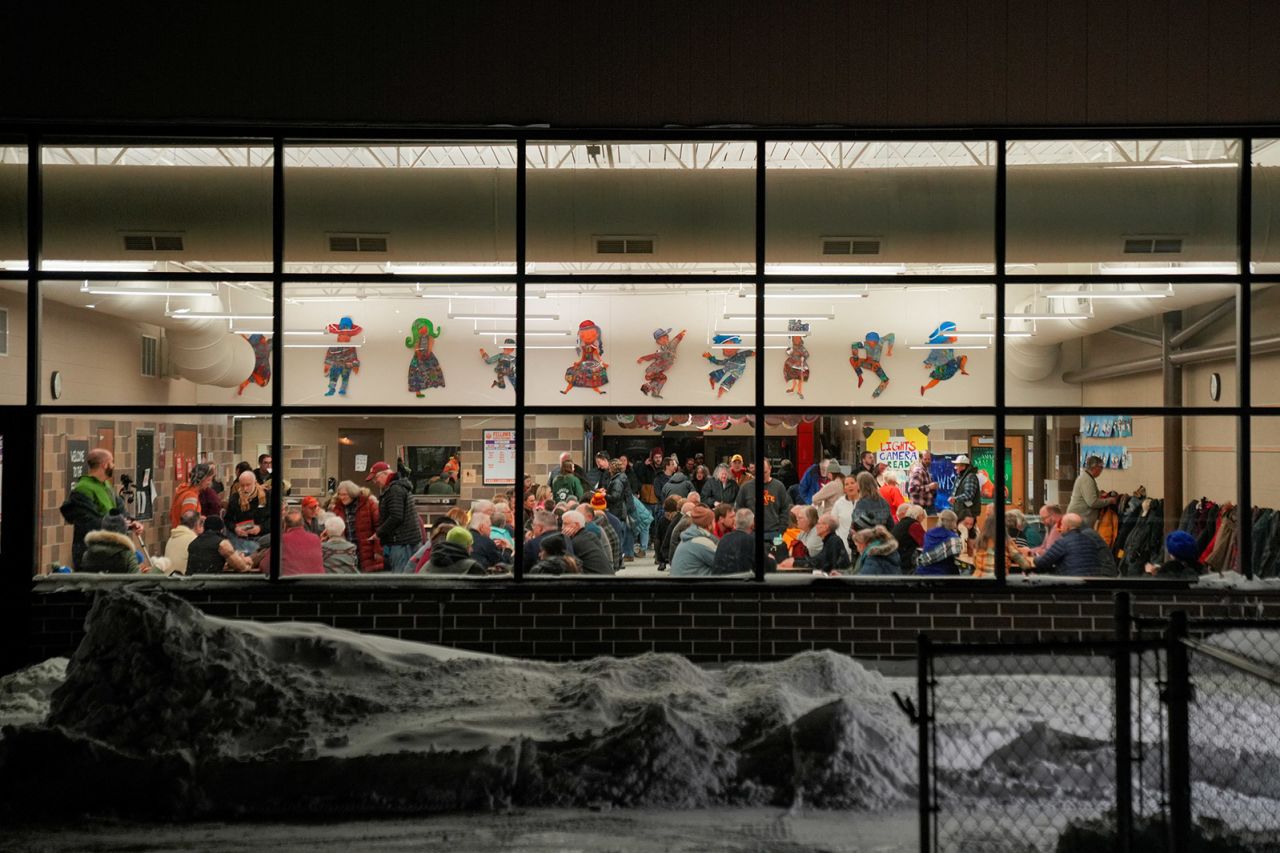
(696, 553)
(679, 485)
(1079, 553)
(85, 516)
(618, 496)
(715, 492)
(340, 556)
(450, 559)
(869, 511)
(590, 553)
(831, 556)
(108, 551)
(400, 523)
(736, 553)
(880, 558)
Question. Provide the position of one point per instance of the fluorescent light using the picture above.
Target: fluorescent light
(113, 292)
(753, 334)
(949, 346)
(835, 269)
(851, 295)
(988, 334)
(507, 316)
(203, 315)
(1039, 316)
(1122, 268)
(512, 334)
(452, 269)
(95, 266)
(1107, 294)
(733, 316)
(466, 296)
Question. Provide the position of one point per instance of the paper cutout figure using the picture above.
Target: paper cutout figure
(340, 362)
(504, 364)
(660, 361)
(588, 371)
(795, 368)
(261, 362)
(731, 366)
(877, 348)
(424, 368)
(943, 362)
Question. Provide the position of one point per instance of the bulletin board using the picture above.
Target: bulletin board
(499, 457)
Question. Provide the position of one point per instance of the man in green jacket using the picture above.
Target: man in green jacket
(92, 498)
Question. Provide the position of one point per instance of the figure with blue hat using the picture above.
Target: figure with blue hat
(729, 368)
(942, 362)
(504, 364)
(876, 347)
(341, 361)
(660, 361)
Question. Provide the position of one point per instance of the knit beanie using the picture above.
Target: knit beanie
(460, 536)
(702, 517)
(598, 501)
(1181, 545)
(115, 523)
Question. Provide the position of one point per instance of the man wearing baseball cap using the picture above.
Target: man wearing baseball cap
(401, 529)
(966, 497)
(311, 516)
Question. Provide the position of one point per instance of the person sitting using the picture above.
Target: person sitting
(830, 556)
(984, 558)
(723, 514)
(736, 552)
(418, 562)
(909, 531)
(941, 546)
(501, 534)
(678, 526)
(482, 548)
(870, 510)
(1051, 520)
(247, 513)
(300, 552)
(311, 522)
(553, 557)
(453, 555)
(544, 525)
(340, 556)
(1081, 552)
(1183, 562)
(180, 539)
(802, 538)
(109, 549)
(877, 552)
(696, 553)
(1015, 526)
(212, 552)
(588, 547)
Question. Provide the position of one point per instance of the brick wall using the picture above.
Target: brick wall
(726, 622)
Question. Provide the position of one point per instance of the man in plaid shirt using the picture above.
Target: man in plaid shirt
(921, 487)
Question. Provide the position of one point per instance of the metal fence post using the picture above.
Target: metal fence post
(923, 732)
(1124, 725)
(1177, 696)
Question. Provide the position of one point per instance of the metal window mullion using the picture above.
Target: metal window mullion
(997, 449)
(1244, 354)
(758, 483)
(518, 384)
(27, 553)
(275, 496)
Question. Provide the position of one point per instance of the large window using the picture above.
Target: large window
(468, 310)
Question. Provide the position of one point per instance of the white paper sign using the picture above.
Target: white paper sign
(499, 457)
(362, 462)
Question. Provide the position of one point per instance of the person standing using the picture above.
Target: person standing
(1085, 498)
(777, 503)
(400, 531)
(966, 497)
(922, 489)
(91, 499)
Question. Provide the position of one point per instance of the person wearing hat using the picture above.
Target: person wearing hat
(696, 552)
(660, 361)
(311, 515)
(187, 497)
(730, 367)
(966, 495)
(400, 530)
(608, 524)
(737, 469)
(1184, 558)
(453, 555)
(942, 362)
(110, 549)
(503, 363)
(341, 361)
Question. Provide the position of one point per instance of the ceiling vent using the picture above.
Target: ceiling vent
(358, 243)
(850, 246)
(153, 243)
(150, 356)
(1153, 246)
(624, 245)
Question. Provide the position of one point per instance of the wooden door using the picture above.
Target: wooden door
(184, 452)
(358, 449)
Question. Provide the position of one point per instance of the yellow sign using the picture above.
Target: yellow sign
(899, 452)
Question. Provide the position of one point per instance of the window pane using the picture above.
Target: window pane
(13, 343)
(13, 257)
(1099, 344)
(448, 464)
(879, 345)
(152, 460)
(1265, 486)
(1122, 206)
(632, 344)
(1265, 307)
(880, 207)
(427, 208)
(394, 344)
(157, 208)
(1266, 205)
(156, 343)
(641, 207)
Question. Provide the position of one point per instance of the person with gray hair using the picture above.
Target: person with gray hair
(831, 556)
(909, 532)
(180, 539)
(483, 549)
(544, 524)
(587, 546)
(1086, 499)
(339, 556)
(941, 546)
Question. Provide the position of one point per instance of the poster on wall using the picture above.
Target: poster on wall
(499, 457)
(943, 470)
(984, 461)
(899, 452)
(144, 452)
(1106, 426)
(1115, 457)
(77, 449)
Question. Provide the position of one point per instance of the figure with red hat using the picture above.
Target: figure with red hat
(588, 371)
(341, 361)
(730, 367)
(660, 361)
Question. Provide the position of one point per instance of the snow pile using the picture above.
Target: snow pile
(25, 694)
(169, 710)
(1260, 646)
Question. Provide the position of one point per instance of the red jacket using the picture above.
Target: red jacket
(366, 520)
(299, 553)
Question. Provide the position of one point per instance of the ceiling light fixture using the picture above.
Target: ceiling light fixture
(949, 346)
(203, 315)
(452, 269)
(1108, 294)
(849, 295)
(104, 291)
(740, 316)
(506, 316)
(835, 269)
(1039, 316)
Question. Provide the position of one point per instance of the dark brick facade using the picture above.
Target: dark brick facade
(708, 623)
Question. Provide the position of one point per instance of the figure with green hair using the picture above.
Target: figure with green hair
(424, 368)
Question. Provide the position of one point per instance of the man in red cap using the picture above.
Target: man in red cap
(401, 530)
(311, 516)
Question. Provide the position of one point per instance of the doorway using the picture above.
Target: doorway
(358, 449)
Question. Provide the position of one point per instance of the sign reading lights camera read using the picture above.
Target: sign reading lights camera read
(499, 457)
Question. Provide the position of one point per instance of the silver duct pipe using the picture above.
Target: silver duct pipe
(1226, 309)
(1152, 364)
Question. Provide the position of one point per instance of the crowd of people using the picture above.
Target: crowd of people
(692, 518)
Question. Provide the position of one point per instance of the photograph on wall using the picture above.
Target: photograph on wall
(1115, 457)
(1106, 426)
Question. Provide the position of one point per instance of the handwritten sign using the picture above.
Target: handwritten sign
(499, 457)
(899, 452)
